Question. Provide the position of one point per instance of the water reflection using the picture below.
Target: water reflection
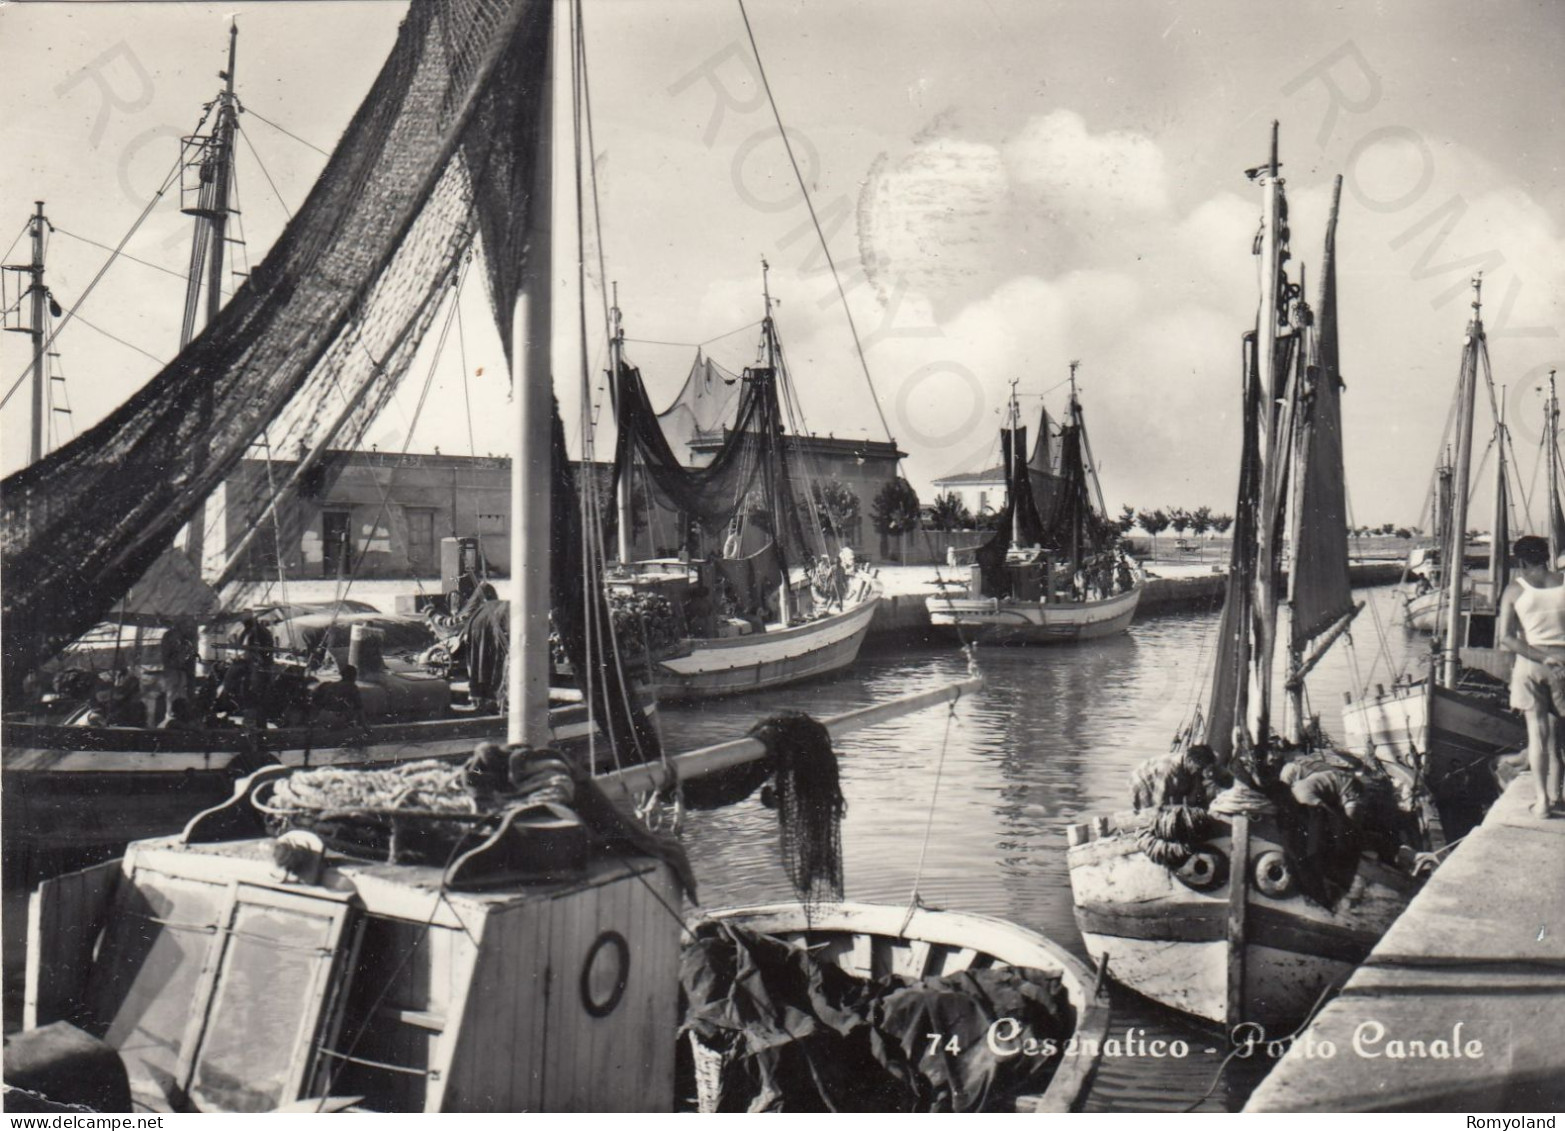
(992, 783)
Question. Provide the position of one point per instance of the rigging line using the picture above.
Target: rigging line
(251, 110)
(18, 239)
(180, 275)
(698, 345)
(587, 488)
(814, 219)
(467, 396)
(121, 341)
(107, 263)
(929, 821)
(283, 204)
(584, 108)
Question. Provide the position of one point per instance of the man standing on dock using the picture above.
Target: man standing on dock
(1532, 625)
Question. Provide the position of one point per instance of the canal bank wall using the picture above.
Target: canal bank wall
(903, 615)
(1459, 1006)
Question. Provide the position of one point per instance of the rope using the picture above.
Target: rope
(283, 204)
(121, 341)
(929, 821)
(248, 109)
(815, 220)
(180, 275)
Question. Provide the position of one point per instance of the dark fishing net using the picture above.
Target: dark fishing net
(749, 478)
(314, 343)
(809, 803)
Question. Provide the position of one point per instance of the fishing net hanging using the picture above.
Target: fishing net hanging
(749, 478)
(313, 344)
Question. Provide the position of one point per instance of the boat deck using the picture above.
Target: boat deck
(1473, 971)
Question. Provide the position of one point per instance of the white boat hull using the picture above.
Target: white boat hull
(775, 658)
(993, 620)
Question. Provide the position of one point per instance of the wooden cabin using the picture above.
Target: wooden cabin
(220, 978)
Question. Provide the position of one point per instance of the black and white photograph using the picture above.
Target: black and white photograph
(696, 556)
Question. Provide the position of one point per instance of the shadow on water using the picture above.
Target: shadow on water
(992, 784)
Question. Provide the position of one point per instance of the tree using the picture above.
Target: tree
(1403, 532)
(949, 512)
(1200, 520)
(895, 508)
(1221, 522)
(1127, 519)
(1154, 523)
(1179, 519)
(836, 508)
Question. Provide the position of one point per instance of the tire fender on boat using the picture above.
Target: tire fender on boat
(1273, 875)
(1206, 869)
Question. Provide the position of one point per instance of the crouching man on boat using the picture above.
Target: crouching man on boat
(1532, 625)
(1182, 777)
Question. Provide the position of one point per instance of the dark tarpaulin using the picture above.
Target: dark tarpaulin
(333, 314)
(800, 1034)
(1322, 591)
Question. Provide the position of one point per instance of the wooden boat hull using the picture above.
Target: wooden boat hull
(740, 664)
(992, 620)
(1424, 610)
(1455, 738)
(870, 940)
(1228, 953)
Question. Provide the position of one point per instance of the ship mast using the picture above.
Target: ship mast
(1456, 559)
(769, 335)
(1272, 379)
(1014, 472)
(213, 166)
(1551, 437)
(38, 293)
(532, 390)
(622, 492)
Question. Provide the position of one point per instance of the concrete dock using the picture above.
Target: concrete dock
(1461, 1006)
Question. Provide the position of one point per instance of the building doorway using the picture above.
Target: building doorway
(421, 540)
(336, 546)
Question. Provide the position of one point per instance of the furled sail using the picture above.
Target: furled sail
(332, 316)
(1229, 702)
(1322, 592)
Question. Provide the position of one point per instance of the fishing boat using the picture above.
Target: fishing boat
(1216, 906)
(1451, 726)
(104, 513)
(1043, 580)
(498, 936)
(874, 940)
(753, 619)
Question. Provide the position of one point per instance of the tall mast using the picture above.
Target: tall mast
(1498, 558)
(769, 335)
(1454, 566)
(1551, 437)
(1293, 720)
(39, 295)
(1271, 381)
(622, 493)
(209, 244)
(532, 390)
(1013, 472)
(36, 329)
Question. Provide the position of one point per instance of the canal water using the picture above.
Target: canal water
(1050, 741)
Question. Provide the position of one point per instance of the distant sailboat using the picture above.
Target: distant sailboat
(747, 497)
(1450, 727)
(1217, 910)
(1052, 573)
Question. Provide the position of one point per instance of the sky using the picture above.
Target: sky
(1004, 186)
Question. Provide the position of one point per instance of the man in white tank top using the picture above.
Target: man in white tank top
(1532, 625)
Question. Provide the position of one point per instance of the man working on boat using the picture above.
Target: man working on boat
(1532, 625)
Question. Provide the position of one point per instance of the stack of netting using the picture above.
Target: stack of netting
(415, 813)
